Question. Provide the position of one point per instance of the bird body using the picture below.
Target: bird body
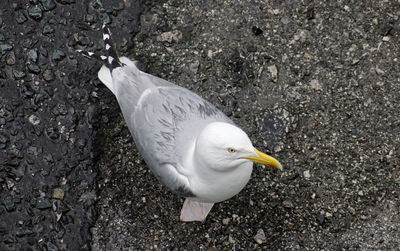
(190, 145)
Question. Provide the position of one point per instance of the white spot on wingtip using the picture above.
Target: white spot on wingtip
(106, 36)
(110, 59)
(103, 57)
(108, 47)
(104, 25)
(90, 53)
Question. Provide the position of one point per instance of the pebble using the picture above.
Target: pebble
(34, 120)
(260, 236)
(287, 204)
(33, 68)
(170, 36)
(48, 75)
(8, 203)
(47, 29)
(316, 85)
(43, 203)
(58, 193)
(6, 47)
(256, 31)
(33, 55)
(18, 74)
(60, 109)
(226, 221)
(11, 58)
(307, 174)
(320, 218)
(274, 72)
(48, 4)
(20, 17)
(52, 133)
(35, 12)
(66, 1)
(58, 55)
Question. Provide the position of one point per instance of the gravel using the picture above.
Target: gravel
(314, 83)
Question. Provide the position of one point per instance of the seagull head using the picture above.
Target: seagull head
(224, 147)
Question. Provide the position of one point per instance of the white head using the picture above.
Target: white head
(224, 147)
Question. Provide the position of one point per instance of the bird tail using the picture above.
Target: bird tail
(110, 61)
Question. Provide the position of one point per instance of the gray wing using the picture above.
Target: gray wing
(162, 122)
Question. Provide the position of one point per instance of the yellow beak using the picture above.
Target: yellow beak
(265, 159)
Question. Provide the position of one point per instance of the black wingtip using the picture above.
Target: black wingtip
(111, 59)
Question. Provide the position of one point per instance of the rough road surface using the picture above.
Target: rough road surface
(315, 84)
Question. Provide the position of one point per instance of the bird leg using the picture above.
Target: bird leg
(195, 211)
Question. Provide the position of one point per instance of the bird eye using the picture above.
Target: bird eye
(231, 150)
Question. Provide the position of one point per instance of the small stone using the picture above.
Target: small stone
(170, 36)
(320, 218)
(48, 75)
(90, 18)
(58, 193)
(386, 39)
(43, 203)
(274, 72)
(81, 143)
(307, 174)
(256, 31)
(194, 67)
(8, 203)
(27, 91)
(260, 237)
(316, 85)
(32, 150)
(33, 55)
(20, 17)
(10, 58)
(48, 4)
(35, 12)
(226, 221)
(51, 247)
(49, 158)
(276, 11)
(18, 74)
(66, 1)
(34, 120)
(6, 47)
(33, 68)
(379, 71)
(52, 133)
(60, 109)
(47, 29)
(22, 231)
(58, 55)
(287, 204)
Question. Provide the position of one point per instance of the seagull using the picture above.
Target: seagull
(193, 148)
